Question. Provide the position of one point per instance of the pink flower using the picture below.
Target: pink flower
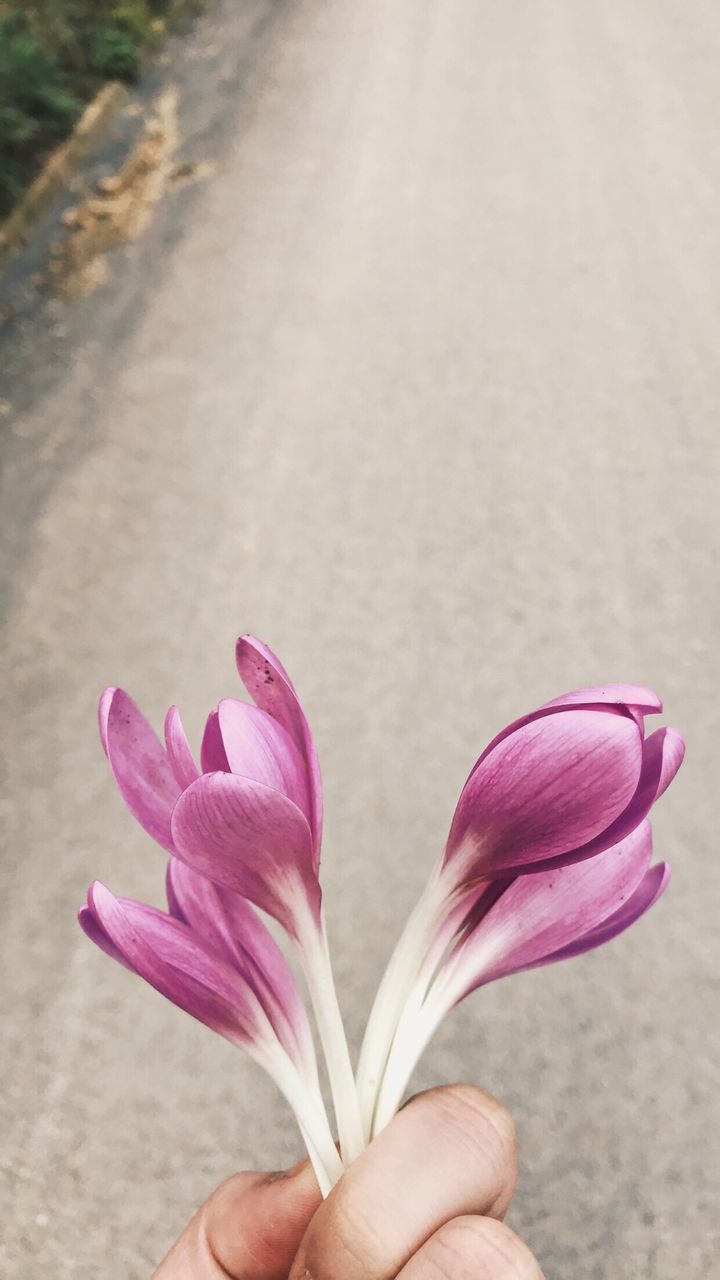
(555, 788)
(519, 924)
(249, 820)
(214, 958)
(562, 783)
(548, 856)
(252, 819)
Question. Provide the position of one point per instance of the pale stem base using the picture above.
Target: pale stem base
(310, 1114)
(315, 959)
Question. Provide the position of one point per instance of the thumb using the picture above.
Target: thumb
(249, 1229)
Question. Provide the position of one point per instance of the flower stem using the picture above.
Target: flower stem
(315, 960)
(414, 1032)
(398, 979)
(311, 1116)
(325, 1182)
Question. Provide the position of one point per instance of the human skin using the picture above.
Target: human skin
(424, 1202)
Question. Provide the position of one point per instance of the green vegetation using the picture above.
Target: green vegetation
(54, 56)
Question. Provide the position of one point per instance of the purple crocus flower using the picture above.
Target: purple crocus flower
(249, 820)
(520, 924)
(555, 788)
(548, 856)
(216, 960)
(258, 789)
(562, 783)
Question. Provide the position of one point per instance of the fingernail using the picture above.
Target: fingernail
(281, 1175)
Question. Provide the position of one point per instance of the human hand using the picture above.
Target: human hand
(424, 1202)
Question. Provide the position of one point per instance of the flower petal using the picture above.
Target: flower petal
(258, 747)
(178, 748)
(140, 765)
(552, 785)
(651, 887)
(172, 959)
(96, 933)
(663, 753)
(251, 839)
(212, 749)
(269, 684)
(541, 913)
(106, 698)
(635, 696)
(637, 699)
(228, 922)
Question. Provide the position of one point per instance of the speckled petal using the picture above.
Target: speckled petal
(269, 684)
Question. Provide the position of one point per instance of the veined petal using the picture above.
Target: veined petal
(583, 905)
(168, 955)
(257, 746)
(251, 839)
(541, 913)
(663, 753)
(552, 785)
(229, 923)
(651, 887)
(672, 754)
(636, 699)
(140, 764)
(270, 686)
(96, 933)
(178, 749)
(212, 749)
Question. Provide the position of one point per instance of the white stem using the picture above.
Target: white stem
(310, 1114)
(324, 1181)
(315, 959)
(419, 950)
(439, 986)
(397, 980)
(414, 1032)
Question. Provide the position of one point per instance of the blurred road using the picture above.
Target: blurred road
(420, 383)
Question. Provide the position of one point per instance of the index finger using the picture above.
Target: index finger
(450, 1153)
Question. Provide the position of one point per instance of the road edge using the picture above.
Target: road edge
(16, 229)
(58, 168)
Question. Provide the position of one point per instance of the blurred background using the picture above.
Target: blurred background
(388, 332)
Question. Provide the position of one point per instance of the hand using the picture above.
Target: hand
(424, 1202)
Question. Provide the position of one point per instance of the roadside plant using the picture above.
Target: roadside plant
(549, 855)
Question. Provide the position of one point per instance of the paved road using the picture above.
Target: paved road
(421, 384)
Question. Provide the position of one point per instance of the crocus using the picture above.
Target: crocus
(556, 787)
(249, 819)
(523, 923)
(233, 979)
(548, 856)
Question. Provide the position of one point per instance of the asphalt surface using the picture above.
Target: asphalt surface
(420, 383)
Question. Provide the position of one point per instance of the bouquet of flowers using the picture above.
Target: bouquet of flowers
(549, 855)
